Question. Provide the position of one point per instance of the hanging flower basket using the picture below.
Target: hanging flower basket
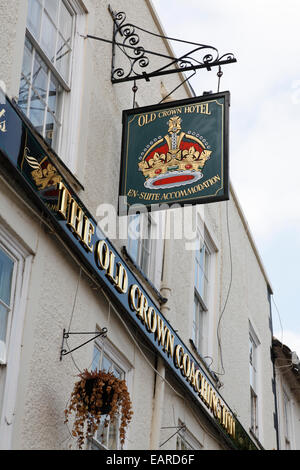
(98, 393)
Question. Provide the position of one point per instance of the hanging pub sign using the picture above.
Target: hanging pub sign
(176, 152)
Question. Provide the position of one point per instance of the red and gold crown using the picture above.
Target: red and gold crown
(174, 160)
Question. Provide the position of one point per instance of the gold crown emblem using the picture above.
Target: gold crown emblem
(176, 153)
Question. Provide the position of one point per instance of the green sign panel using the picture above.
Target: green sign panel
(176, 152)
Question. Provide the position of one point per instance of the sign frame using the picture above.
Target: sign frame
(181, 201)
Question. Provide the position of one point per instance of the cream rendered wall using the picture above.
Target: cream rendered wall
(12, 32)
(248, 301)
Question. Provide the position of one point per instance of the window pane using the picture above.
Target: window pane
(145, 249)
(200, 280)
(34, 17)
(54, 90)
(48, 37)
(25, 77)
(112, 435)
(40, 77)
(96, 359)
(23, 95)
(133, 236)
(52, 7)
(6, 272)
(102, 432)
(63, 54)
(117, 372)
(195, 324)
(50, 130)
(106, 364)
(37, 113)
(3, 322)
(27, 60)
(65, 23)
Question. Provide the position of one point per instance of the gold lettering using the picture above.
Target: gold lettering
(169, 348)
(151, 320)
(2, 123)
(178, 356)
(192, 375)
(134, 291)
(88, 232)
(224, 417)
(186, 365)
(197, 381)
(229, 426)
(102, 255)
(146, 119)
(111, 268)
(213, 404)
(75, 221)
(203, 392)
(161, 331)
(3, 126)
(142, 308)
(63, 201)
(208, 395)
(122, 284)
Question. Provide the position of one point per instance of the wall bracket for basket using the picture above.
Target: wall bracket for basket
(66, 334)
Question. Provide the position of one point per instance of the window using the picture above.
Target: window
(46, 69)
(139, 241)
(145, 244)
(201, 296)
(15, 264)
(287, 420)
(106, 359)
(253, 343)
(7, 285)
(185, 440)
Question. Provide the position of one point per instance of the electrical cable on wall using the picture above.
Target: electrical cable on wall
(279, 320)
(227, 296)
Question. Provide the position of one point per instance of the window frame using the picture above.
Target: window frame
(188, 439)
(153, 224)
(254, 382)
(13, 256)
(63, 84)
(10, 370)
(204, 303)
(107, 348)
(66, 142)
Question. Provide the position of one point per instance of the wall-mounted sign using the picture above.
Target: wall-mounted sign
(38, 175)
(176, 152)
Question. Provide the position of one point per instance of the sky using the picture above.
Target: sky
(264, 126)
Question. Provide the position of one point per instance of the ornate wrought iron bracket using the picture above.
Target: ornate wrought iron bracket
(131, 61)
(66, 334)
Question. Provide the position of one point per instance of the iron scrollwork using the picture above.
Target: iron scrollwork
(130, 47)
(127, 40)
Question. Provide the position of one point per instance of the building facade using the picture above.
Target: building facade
(209, 291)
(287, 372)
